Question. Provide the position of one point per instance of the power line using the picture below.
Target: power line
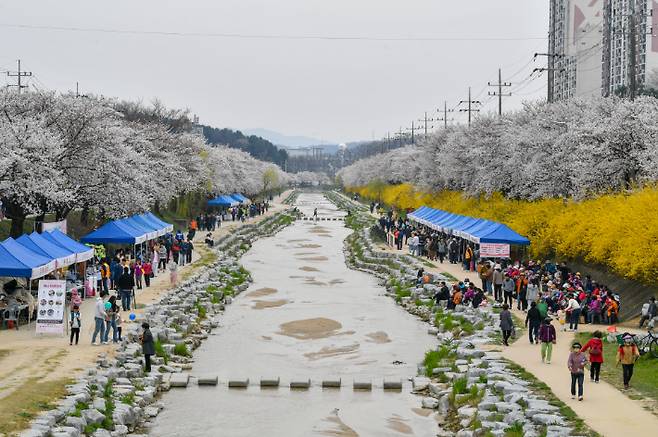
(266, 36)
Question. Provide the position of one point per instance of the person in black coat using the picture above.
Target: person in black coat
(533, 320)
(148, 346)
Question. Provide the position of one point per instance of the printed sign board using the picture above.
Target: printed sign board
(52, 302)
(494, 250)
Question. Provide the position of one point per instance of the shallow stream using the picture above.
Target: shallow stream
(305, 316)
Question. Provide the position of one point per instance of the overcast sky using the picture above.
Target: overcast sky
(400, 58)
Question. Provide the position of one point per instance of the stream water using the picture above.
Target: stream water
(305, 316)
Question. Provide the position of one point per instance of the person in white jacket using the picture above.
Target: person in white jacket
(99, 317)
(532, 292)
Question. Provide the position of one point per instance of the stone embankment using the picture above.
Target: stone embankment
(475, 391)
(115, 397)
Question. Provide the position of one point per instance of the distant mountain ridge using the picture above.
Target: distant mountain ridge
(288, 141)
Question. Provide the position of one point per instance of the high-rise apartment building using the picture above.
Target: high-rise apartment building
(630, 48)
(601, 47)
(575, 48)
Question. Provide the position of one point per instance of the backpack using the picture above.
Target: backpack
(596, 350)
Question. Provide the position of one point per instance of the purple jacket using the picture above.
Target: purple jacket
(576, 362)
(547, 333)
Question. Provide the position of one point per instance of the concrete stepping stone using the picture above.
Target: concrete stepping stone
(303, 384)
(270, 382)
(207, 380)
(362, 385)
(392, 384)
(238, 383)
(179, 380)
(331, 383)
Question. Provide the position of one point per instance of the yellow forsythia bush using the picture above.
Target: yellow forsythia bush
(617, 230)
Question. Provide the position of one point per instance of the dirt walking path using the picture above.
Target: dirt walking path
(605, 409)
(25, 357)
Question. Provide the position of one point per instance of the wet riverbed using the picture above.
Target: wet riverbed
(305, 316)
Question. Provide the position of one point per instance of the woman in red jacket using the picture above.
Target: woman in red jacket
(595, 347)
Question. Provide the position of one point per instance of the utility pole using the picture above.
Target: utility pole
(425, 121)
(445, 114)
(499, 93)
(470, 103)
(18, 75)
(413, 130)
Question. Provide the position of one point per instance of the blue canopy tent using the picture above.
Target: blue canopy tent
(240, 198)
(473, 229)
(223, 200)
(115, 232)
(437, 218)
(455, 223)
(168, 227)
(504, 235)
(420, 213)
(38, 244)
(157, 229)
(464, 230)
(17, 260)
(148, 230)
(82, 252)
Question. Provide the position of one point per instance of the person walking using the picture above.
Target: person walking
(162, 258)
(441, 250)
(148, 346)
(111, 310)
(147, 268)
(508, 289)
(76, 323)
(573, 309)
(627, 354)
(595, 348)
(99, 319)
(651, 311)
(125, 283)
(173, 272)
(532, 292)
(548, 337)
(533, 321)
(497, 279)
(506, 324)
(139, 273)
(576, 364)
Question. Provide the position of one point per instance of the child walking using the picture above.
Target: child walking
(576, 364)
(119, 321)
(76, 323)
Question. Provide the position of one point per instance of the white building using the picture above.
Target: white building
(575, 47)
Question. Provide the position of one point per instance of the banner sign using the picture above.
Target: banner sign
(494, 250)
(61, 225)
(52, 301)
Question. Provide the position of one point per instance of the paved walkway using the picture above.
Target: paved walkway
(23, 355)
(605, 409)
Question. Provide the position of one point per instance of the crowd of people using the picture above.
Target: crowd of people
(554, 288)
(243, 212)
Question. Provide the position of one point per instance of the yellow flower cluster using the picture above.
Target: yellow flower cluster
(619, 231)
